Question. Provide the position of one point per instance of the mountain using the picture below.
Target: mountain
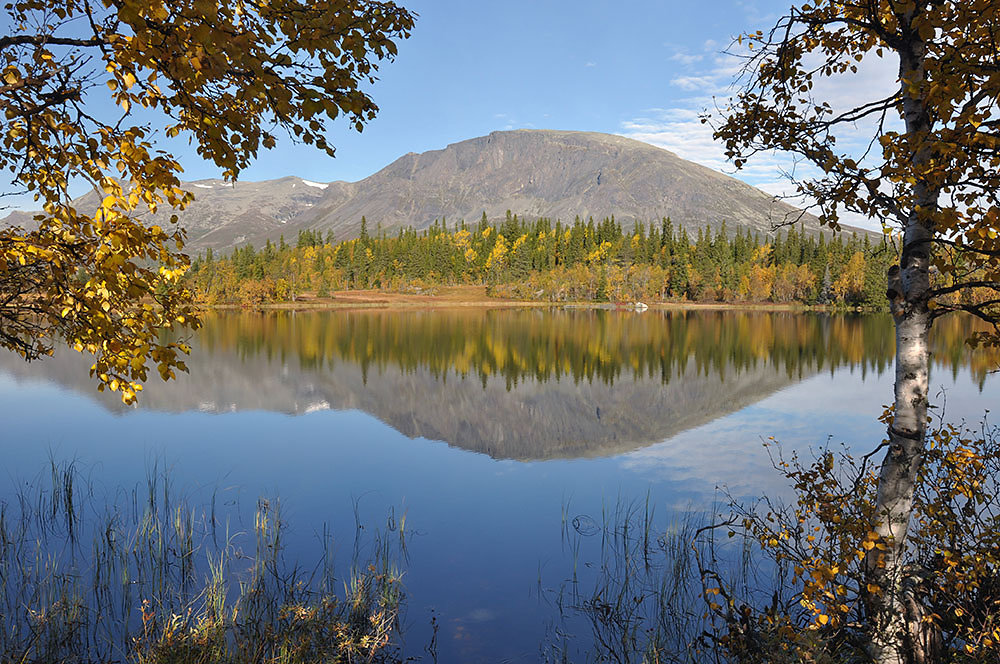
(543, 173)
(537, 173)
(224, 214)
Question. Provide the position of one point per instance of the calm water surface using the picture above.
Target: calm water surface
(485, 427)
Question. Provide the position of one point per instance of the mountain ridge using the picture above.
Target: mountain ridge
(534, 173)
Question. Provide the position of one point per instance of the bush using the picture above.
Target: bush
(821, 551)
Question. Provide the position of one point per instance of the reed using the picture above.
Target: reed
(635, 590)
(146, 577)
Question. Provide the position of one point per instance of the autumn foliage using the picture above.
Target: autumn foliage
(819, 547)
(89, 92)
(582, 261)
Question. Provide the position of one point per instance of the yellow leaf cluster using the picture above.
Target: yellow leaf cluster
(105, 279)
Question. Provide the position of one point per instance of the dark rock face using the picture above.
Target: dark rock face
(537, 173)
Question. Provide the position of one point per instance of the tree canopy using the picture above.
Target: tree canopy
(88, 90)
(920, 155)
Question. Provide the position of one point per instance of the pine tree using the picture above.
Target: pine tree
(365, 239)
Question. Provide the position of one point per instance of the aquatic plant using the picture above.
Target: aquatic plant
(635, 591)
(145, 579)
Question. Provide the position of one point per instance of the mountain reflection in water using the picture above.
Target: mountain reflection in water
(518, 384)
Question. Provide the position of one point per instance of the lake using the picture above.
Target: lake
(491, 430)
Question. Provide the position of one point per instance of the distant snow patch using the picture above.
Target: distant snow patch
(203, 186)
(317, 406)
(318, 185)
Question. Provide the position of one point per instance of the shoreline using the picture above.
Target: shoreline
(474, 297)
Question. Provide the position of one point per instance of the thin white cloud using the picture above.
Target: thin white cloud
(687, 59)
(590, 64)
(693, 82)
(508, 121)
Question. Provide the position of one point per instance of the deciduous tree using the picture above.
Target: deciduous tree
(928, 168)
(88, 88)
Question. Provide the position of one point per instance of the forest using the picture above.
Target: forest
(557, 262)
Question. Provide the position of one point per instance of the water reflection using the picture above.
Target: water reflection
(578, 345)
(520, 384)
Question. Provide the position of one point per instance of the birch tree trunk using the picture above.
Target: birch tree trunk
(896, 637)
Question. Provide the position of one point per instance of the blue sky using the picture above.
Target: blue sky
(474, 67)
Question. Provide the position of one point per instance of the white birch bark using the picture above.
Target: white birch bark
(908, 286)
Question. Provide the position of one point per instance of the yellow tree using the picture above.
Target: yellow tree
(850, 285)
(87, 88)
(928, 165)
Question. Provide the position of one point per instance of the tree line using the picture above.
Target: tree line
(549, 260)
